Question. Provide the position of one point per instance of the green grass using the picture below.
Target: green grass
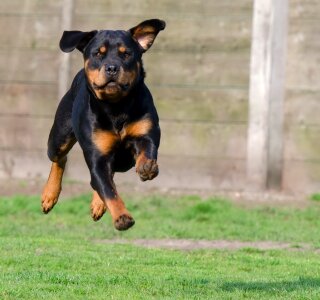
(315, 197)
(62, 255)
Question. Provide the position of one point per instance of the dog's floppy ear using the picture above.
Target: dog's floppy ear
(75, 39)
(146, 32)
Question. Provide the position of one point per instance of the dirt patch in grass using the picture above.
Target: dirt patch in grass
(189, 245)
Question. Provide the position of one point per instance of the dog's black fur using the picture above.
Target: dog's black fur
(110, 112)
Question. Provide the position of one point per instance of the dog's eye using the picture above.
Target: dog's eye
(98, 54)
(101, 52)
(125, 55)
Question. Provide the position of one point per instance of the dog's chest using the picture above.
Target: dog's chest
(119, 123)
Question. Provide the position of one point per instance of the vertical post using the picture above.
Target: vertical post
(64, 68)
(279, 31)
(265, 133)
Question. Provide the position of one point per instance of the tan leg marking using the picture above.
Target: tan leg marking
(122, 220)
(98, 207)
(52, 188)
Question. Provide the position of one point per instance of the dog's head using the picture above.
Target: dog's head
(112, 59)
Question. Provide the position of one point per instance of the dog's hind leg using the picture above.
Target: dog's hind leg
(61, 140)
(98, 207)
(52, 188)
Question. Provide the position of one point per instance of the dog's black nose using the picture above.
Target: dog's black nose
(111, 70)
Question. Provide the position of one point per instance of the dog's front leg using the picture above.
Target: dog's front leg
(146, 158)
(100, 167)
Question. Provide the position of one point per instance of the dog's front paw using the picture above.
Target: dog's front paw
(49, 198)
(124, 222)
(98, 208)
(147, 169)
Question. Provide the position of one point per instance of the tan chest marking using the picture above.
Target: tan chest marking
(104, 140)
(136, 129)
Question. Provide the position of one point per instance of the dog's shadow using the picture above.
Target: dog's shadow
(301, 283)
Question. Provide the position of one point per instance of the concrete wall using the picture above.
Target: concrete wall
(197, 70)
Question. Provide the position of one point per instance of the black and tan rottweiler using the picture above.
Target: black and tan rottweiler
(110, 111)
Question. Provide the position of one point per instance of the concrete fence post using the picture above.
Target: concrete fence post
(266, 95)
(64, 64)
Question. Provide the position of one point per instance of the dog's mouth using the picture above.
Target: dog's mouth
(112, 90)
(109, 84)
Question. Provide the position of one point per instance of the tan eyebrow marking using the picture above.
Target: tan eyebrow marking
(103, 49)
(122, 49)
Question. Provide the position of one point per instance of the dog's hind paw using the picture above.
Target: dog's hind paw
(49, 199)
(98, 208)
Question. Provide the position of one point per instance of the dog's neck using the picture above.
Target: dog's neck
(115, 109)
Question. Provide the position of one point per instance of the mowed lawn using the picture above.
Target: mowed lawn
(64, 255)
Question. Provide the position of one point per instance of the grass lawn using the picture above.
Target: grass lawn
(62, 255)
